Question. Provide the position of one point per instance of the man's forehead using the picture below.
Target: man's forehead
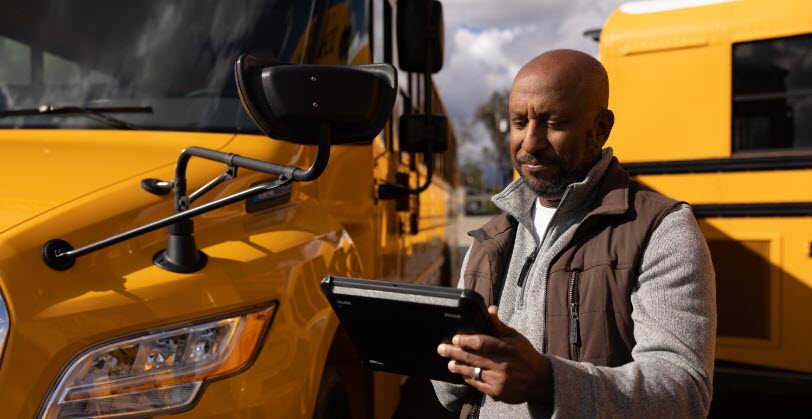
(548, 77)
(533, 90)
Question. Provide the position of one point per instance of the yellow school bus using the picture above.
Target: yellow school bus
(103, 314)
(714, 106)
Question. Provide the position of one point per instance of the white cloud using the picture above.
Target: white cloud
(488, 41)
(490, 13)
(483, 62)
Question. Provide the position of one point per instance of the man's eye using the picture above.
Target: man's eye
(519, 124)
(556, 125)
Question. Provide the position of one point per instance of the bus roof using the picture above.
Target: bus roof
(650, 26)
(654, 6)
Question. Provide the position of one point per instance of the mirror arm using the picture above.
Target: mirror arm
(322, 157)
(232, 160)
(60, 255)
(428, 158)
(230, 173)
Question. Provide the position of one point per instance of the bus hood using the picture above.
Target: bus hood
(43, 169)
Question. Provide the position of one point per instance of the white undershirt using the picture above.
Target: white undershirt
(541, 218)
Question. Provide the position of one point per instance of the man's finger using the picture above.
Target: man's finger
(467, 372)
(461, 369)
(461, 356)
(482, 386)
(499, 328)
(482, 344)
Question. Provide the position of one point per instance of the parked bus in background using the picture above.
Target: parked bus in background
(97, 101)
(714, 106)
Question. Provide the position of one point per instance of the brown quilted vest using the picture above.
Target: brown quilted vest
(590, 280)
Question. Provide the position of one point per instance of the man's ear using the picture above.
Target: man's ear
(604, 123)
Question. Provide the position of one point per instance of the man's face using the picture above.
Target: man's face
(552, 131)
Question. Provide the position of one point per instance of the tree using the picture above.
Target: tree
(471, 175)
(493, 115)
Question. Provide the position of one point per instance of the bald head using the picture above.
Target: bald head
(569, 72)
(559, 120)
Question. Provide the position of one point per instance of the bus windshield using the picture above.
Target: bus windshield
(169, 60)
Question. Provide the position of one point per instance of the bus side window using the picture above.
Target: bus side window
(15, 74)
(772, 94)
(18, 56)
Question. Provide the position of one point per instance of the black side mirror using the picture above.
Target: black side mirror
(414, 35)
(292, 102)
(420, 50)
(415, 133)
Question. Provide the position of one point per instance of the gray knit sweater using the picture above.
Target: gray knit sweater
(674, 315)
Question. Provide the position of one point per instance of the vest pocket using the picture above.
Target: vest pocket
(575, 326)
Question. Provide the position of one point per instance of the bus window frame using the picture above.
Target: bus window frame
(735, 149)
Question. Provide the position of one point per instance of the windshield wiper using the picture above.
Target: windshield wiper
(97, 113)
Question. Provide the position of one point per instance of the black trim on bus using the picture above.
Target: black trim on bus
(764, 379)
(780, 393)
(799, 209)
(737, 164)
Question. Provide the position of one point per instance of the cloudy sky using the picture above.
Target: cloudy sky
(488, 41)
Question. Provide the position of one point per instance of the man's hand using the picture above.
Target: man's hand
(512, 370)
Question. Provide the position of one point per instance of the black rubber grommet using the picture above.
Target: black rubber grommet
(160, 260)
(58, 247)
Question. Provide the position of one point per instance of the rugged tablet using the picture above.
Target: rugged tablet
(397, 327)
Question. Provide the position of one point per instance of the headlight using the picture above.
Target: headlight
(3, 325)
(159, 372)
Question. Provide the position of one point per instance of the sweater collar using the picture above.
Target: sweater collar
(517, 199)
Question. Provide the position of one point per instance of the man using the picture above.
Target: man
(605, 289)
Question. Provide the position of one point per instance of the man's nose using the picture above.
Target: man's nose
(535, 138)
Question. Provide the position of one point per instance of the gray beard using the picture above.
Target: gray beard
(554, 189)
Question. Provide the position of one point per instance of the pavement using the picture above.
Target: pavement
(466, 223)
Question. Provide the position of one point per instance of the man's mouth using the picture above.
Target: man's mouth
(535, 165)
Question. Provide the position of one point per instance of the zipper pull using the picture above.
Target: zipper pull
(526, 267)
(575, 327)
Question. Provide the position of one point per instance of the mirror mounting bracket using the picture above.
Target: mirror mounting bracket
(181, 254)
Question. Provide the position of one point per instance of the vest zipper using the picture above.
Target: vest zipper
(575, 327)
(563, 248)
(528, 263)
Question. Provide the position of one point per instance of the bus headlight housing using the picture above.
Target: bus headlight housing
(158, 372)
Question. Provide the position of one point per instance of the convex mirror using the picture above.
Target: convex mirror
(415, 35)
(290, 102)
